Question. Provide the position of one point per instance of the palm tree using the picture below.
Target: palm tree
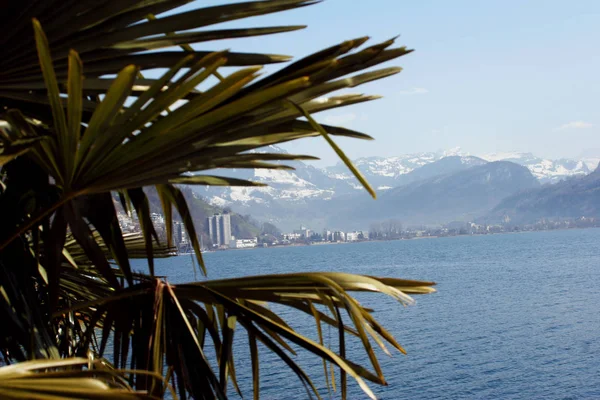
(82, 126)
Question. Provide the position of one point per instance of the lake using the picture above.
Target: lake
(515, 316)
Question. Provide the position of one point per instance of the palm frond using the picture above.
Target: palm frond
(71, 378)
(189, 308)
(83, 124)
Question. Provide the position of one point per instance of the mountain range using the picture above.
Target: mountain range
(461, 195)
(315, 196)
(572, 198)
(387, 172)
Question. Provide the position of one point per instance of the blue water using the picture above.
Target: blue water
(515, 316)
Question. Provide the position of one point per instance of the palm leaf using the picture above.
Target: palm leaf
(238, 298)
(13, 149)
(72, 378)
(85, 135)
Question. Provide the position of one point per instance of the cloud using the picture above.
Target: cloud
(417, 90)
(340, 119)
(576, 125)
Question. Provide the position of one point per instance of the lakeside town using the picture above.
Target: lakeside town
(217, 233)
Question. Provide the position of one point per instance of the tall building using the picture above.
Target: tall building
(177, 232)
(219, 229)
(339, 236)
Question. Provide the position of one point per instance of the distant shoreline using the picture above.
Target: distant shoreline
(398, 239)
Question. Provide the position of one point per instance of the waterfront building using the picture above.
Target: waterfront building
(218, 228)
(243, 243)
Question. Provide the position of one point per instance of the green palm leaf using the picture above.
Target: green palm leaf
(76, 138)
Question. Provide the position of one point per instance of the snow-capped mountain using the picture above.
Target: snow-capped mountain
(591, 157)
(289, 198)
(545, 170)
(382, 172)
(282, 185)
(389, 172)
(302, 184)
(591, 162)
(461, 195)
(305, 192)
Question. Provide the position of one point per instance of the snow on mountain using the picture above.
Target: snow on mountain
(591, 157)
(545, 170)
(307, 183)
(591, 162)
(282, 177)
(383, 171)
(455, 151)
(304, 183)
(389, 172)
(511, 156)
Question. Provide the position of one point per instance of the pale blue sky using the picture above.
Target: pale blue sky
(488, 76)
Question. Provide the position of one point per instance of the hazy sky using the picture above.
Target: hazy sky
(488, 76)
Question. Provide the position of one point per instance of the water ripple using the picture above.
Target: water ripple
(516, 315)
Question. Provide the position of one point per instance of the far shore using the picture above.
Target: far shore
(390, 240)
